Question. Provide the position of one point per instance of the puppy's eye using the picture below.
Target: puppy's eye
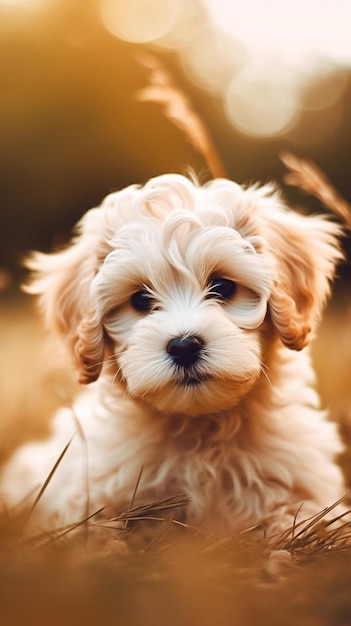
(221, 288)
(142, 301)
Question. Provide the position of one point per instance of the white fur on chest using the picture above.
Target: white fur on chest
(254, 463)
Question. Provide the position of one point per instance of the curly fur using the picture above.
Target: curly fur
(241, 431)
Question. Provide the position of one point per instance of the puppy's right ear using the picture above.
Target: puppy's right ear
(62, 280)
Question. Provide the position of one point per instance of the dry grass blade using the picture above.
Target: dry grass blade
(46, 537)
(135, 492)
(305, 175)
(85, 459)
(163, 90)
(317, 535)
(46, 483)
(153, 508)
(68, 529)
(136, 487)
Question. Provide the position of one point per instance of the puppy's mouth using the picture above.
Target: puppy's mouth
(192, 379)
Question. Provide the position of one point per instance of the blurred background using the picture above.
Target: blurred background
(264, 77)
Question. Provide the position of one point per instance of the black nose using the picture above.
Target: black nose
(185, 351)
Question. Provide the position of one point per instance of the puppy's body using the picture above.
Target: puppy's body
(189, 310)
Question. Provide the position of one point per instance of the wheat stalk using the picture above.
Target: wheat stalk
(177, 107)
(306, 175)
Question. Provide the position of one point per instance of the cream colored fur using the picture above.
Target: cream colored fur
(247, 440)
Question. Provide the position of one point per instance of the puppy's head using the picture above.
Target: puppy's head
(170, 286)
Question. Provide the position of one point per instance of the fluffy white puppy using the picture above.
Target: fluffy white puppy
(188, 310)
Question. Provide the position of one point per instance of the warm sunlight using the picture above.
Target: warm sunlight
(296, 31)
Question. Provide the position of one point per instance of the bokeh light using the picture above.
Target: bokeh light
(211, 58)
(267, 62)
(140, 21)
(261, 102)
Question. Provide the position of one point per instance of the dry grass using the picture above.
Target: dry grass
(142, 566)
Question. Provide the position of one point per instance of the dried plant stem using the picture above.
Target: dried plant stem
(162, 89)
(305, 175)
(46, 483)
(134, 493)
(85, 460)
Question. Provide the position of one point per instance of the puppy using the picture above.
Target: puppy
(188, 311)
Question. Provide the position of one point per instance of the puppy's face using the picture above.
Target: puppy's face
(169, 287)
(182, 299)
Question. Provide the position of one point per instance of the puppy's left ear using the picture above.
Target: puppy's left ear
(62, 280)
(306, 250)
